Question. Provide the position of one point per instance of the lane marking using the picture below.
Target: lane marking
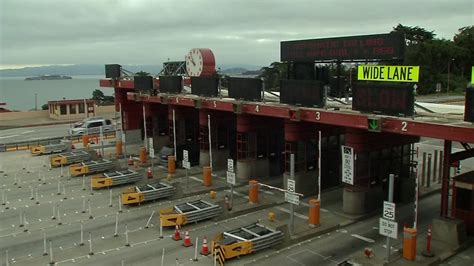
(196, 179)
(363, 238)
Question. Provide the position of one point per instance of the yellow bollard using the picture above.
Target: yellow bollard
(253, 191)
(171, 164)
(206, 176)
(314, 212)
(213, 194)
(271, 216)
(143, 155)
(409, 243)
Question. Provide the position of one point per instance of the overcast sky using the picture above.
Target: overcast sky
(40, 32)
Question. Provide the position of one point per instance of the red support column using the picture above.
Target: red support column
(445, 182)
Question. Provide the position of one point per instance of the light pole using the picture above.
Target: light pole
(449, 72)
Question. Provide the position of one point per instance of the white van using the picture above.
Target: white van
(91, 126)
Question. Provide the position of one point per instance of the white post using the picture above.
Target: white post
(163, 257)
(7, 261)
(116, 225)
(54, 213)
(90, 209)
(196, 250)
(149, 219)
(62, 174)
(59, 188)
(110, 198)
(83, 182)
(21, 219)
(86, 111)
(319, 167)
(91, 189)
(127, 244)
(59, 216)
(174, 136)
(144, 128)
(161, 228)
(416, 199)
(45, 248)
(51, 259)
(101, 136)
(83, 205)
(391, 181)
(32, 193)
(90, 244)
(36, 196)
(210, 137)
(64, 191)
(119, 204)
(82, 235)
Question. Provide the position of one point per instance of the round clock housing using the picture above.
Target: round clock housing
(200, 62)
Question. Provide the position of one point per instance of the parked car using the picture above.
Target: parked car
(91, 126)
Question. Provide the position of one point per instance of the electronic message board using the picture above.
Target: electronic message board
(309, 93)
(378, 46)
(383, 98)
(204, 86)
(143, 84)
(113, 71)
(245, 88)
(469, 105)
(171, 84)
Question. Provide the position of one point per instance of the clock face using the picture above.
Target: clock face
(200, 62)
(194, 63)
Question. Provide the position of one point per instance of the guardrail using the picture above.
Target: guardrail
(28, 144)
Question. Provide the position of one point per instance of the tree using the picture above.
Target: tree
(100, 98)
(45, 106)
(142, 73)
(414, 35)
(272, 74)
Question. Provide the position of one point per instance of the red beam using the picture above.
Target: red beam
(401, 126)
(430, 130)
(334, 118)
(123, 84)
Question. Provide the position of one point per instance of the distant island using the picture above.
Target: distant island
(48, 77)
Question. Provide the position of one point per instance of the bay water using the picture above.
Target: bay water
(19, 94)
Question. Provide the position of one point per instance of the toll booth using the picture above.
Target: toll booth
(463, 200)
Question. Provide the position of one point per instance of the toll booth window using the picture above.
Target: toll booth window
(72, 109)
(464, 199)
(81, 108)
(63, 109)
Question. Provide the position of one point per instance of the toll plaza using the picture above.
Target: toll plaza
(376, 132)
(257, 172)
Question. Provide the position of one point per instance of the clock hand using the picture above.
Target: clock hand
(192, 60)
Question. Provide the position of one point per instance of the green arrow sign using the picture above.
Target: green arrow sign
(373, 124)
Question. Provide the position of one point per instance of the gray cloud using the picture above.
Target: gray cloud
(239, 32)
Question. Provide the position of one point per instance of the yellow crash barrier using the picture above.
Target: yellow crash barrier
(37, 150)
(57, 161)
(130, 196)
(226, 252)
(78, 169)
(169, 217)
(101, 181)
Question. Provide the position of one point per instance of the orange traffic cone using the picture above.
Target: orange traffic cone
(149, 173)
(177, 235)
(187, 240)
(130, 160)
(204, 248)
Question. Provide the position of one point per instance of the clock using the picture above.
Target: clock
(200, 62)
